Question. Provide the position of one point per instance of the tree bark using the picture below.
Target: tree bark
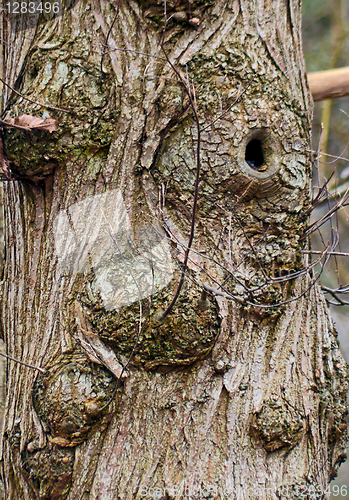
(239, 392)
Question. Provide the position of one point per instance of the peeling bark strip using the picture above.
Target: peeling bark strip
(239, 392)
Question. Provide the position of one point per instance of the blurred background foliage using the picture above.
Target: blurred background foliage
(326, 46)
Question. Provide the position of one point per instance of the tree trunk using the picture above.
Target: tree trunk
(239, 391)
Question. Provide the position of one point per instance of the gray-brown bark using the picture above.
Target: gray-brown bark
(247, 395)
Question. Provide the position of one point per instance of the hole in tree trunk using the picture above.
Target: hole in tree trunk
(254, 154)
(259, 154)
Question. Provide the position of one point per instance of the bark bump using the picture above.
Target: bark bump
(49, 471)
(278, 425)
(71, 397)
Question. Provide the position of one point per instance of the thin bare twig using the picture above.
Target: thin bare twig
(108, 34)
(42, 370)
(192, 100)
(340, 302)
(34, 102)
(113, 49)
(317, 224)
(230, 107)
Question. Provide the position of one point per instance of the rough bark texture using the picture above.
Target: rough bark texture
(243, 398)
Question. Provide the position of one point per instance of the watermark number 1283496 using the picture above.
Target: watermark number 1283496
(24, 14)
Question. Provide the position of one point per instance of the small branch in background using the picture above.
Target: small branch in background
(318, 223)
(329, 84)
(320, 252)
(334, 293)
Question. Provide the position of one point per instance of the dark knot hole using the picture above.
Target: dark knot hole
(254, 154)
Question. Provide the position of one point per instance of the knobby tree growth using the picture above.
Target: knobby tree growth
(158, 283)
